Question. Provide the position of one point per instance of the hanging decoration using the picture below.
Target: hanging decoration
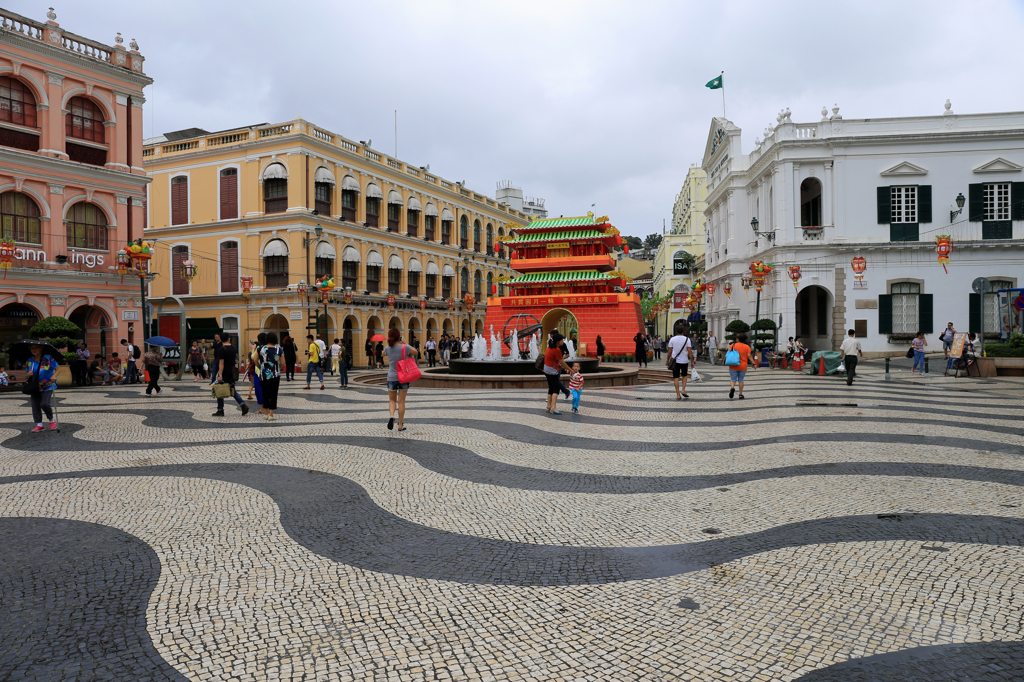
(7, 256)
(246, 281)
(140, 253)
(302, 288)
(423, 302)
(944, 247)
(746, 281)
(124, 263)
(325, 285)
(698, 291)
(451, 304)
(711, 289)
(794, 274)
(727, 288)
(348, 294)
(189, 270)
(760, 271)
(859, 266)
(468, 300)
(391, 303)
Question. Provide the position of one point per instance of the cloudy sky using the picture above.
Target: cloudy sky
(578, 102)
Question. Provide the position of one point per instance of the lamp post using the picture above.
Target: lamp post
(960, 200)
(306, 241)
(769, 235)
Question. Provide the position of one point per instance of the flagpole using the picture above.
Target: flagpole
(723, 94)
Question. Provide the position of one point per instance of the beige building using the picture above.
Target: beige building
(268, 207)
(686, 236)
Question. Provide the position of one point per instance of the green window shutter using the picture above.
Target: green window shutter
(997, 229)
(976, 202)
(885, 314)
(974, 313)
(924, 321)
(895, 232)
(884, 206)
(1017, 201)
(911, 232)
(924, 204)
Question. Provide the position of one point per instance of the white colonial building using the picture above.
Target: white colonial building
(882, 189)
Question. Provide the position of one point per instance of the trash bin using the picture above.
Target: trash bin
(764, 356)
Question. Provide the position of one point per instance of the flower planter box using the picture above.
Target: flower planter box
(900, 341)
(1008, 367)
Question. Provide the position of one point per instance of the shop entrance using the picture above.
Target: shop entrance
(16, 319)
(94, 323)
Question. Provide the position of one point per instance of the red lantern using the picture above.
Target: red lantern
(711, 288)
(727, 288)
(302, 288)
(760, 271)
(944, 247)
(246, 281)
(348, 294)
(794, 274)
(140, 252)
(451, 304)
(7, 256)
(494, 290)
(859, 266)
(391, 302)
(423, 302)
(325, 285)
(468, 301)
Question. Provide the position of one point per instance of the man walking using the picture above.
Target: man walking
(225, 371)
(131, 374)
(712, 348)
(851, 351)
(313, 363)
(680, 355)
(431, 352)
(335, 357)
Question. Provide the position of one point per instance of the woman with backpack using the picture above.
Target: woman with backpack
(737, 359)
(270, 374)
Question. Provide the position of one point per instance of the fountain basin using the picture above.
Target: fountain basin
(442, 377)
(510, 367)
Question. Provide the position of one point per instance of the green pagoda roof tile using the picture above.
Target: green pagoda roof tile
(555, 223)
(564, 276)
(557, 236)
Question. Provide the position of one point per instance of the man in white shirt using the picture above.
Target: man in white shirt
(712, 348)
(335, 356)
(851, 351)
(431, 352)
(678, 356)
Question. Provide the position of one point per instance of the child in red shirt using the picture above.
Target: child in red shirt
(576, 386)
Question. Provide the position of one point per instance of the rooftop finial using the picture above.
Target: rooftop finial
(948, 108)
(824, 113)
(134, 45)
(118, 39)
(51, 15)
(835, 112)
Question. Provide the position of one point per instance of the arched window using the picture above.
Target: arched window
(373, 198)
(464, 232)
(490, 283)
(19, 218)
(275, 189)
(325, 257)
(447, 223)
(429, 222)
(395, 204)
(477, 286)
(86, 227)
(228, 267)
(324, 189)
(18, 106)
(395, 267)
(465, 281)
(85, 121)
(374, 264)
(810, 203)
(476, 236)
(412, 217)
(490, 239)
(179, 285)
(275, 264)
(349, 196)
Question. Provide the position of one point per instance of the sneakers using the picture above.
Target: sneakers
(244, 408)
(575, 410)
(53, 425)
(37, 429)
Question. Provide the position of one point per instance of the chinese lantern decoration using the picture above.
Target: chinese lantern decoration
(746, 281)
(451, 304)
(348, 294)
(423, 302)
(698, 291)
(859, 266)
(727, 288)
(325, 285)
(124, 263)
(391, 302)
(302, 288)
(944, 247)
(794, 274)
(246, 281)
(140, 253)
(189, 270)
(760, 271)
(468, 300)
(7, 256)
(711, 289)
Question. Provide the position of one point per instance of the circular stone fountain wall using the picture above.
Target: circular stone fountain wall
(513, 367)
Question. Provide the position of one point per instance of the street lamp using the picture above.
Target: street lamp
(960, 201)
(769, 235)
(306, 241)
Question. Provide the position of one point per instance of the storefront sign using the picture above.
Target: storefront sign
(20, 312)
(958, 345)
(679, 299)
(592, 299)
(679, 267)
(558, 245)
(89, 260)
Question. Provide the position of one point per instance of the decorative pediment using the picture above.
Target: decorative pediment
(904, 168)
(999, 165)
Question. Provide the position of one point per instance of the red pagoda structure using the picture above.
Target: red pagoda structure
(566, 279)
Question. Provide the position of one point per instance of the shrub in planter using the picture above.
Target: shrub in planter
(1003, 350)
(735, 327)
(65, 342)
(764, 334)
(55, 327)
(70, 357)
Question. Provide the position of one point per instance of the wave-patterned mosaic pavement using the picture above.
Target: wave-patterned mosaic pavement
(872, 532)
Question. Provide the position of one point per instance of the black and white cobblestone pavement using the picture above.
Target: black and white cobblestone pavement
(812, 532)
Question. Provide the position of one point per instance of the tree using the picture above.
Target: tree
(633, 242)
(735, 327)
(62, 332)
(652, 241)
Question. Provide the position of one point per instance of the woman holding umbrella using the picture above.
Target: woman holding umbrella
(40, 371)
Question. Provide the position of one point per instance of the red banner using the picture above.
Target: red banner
(679, 300)
(579, 299)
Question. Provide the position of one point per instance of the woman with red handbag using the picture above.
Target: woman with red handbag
(402, 370)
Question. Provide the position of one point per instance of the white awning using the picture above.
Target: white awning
(432, 268)
(430, 210)
(395, 263)
(350, 255)
(414, 265)
(395, 198)
(325, 250)
(275, 171)
(448, 272)
(275, 247)
(373, 192)
(324, 175)
(414, 204)
(374, 259)
(447, 215)
(350, 183)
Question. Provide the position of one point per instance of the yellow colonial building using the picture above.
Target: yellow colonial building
(685, 241)
(268, 207)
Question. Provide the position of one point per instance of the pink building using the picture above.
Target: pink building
(72, 186)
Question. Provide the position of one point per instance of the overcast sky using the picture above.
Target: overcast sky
(576, 102)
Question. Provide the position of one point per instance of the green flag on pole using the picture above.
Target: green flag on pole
(715, 83)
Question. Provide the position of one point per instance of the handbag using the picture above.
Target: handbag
(672, 360)
(407, 369)
(732, 357)
(539, 362)
(221, 390)
(910, 353)
(31, 385)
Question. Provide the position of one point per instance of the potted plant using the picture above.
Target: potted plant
(734, 328)
(898, 338)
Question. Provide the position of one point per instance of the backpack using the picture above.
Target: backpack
(732, 358)
(136, 353)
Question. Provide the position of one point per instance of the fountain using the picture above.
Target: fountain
(489, 358)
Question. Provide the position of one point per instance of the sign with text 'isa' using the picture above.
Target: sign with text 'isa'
(679, 267)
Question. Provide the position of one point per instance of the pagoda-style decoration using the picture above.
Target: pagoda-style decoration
(794, 274)
(391, 303)
(302, 288)
(566, 279)
(711, 290)
(246, 281)
(189, 270)
(139, 252)
(7, 256)
(727, 288)
(859, 265)
(468, 301)
(124, 263)
(325, 285)
(944, 247)
(760, 271)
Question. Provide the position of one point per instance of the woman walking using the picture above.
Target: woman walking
(738, 370)
(641, 349)
(290, 352)
(600, 349)
(151, 360)
(553, 366)
(396, 391)
(195, 361)
(369, 353)
(344, 358)
(270, 374)
(43, 367)
(919, 345)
